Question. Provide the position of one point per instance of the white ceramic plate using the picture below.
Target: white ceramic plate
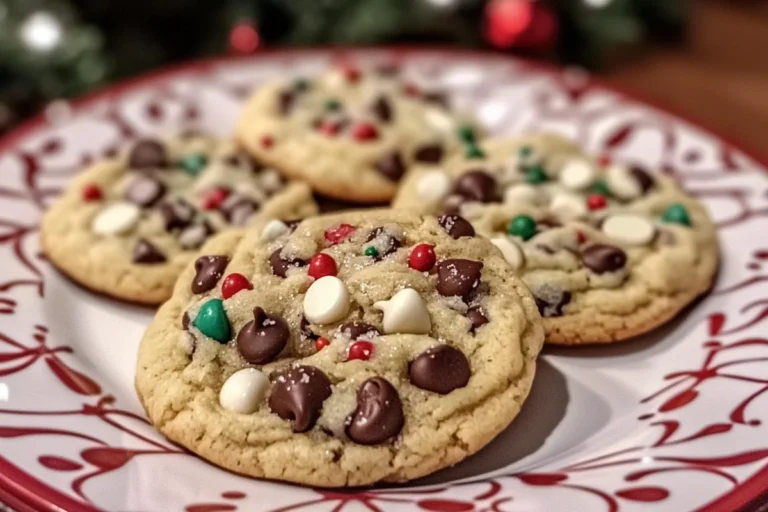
(672, 421)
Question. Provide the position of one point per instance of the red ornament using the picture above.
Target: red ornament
(365, 131)
(520, 24)
(328, 128)
(244, 38)
(267, 141)
(411, 90)
(422, 258)
(215, 197)
(338, 234)
(362, 350)
(604, 160)
(92, 192)
(596, 202)
(322, 265)
(233, 283)
(321, 343)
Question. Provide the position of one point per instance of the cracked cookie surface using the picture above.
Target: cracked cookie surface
(609, 251)
(128, 225)
(344, 350)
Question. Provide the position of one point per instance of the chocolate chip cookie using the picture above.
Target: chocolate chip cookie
(609, 251)
(345, 350)
(351, 134)
(128, 225)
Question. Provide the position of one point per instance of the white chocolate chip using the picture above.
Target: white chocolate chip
(522, 193)
(326, 301)
(405, 313)
(621, 183)
(433, 185)
(273, 230)
(577, 174)
(510, 250)
(243, 391)
(568, 206)
(116, 219)
(441, 122)
(630, 229)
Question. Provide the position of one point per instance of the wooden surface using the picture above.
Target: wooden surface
(720, 77)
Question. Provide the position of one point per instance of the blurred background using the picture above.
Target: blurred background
(705, 58)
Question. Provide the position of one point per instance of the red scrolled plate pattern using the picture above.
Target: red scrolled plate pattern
(673, 421)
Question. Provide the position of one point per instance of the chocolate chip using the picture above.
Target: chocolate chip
(147, 154)
(238, 209)
(476, 317)
(477, 186)
(145, 252)
(643, 179)
(438, 98)
(185, 321)
(551, 301)
(177, 214)
(281, 265)
(209, 270)
(359, 330)
(456, 226)
(298, 395)
(601, 258)
(458, 277)
(292, 224)
(382, 109)
(193, 236)
(440, 369)
(430, 153)
(306, 329)
(379, 413)
(144, 191)
(385, 243)
(391, 166)
(286, 100)
(263, 338)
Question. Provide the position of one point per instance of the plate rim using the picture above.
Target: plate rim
(36, 493)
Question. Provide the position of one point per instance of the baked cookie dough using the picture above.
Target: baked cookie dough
(609, 251)
(351, 134)
(345, 350)
(128, 225)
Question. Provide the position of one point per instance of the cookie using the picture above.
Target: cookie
(609, 251)
(127, 226)
(350, 349)
(351, 134)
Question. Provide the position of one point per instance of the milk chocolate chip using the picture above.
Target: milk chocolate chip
(177, 214)
(209, 270)
(386, 243)
(458, 277)
(147, 154)
(429, 153)
(379, 413)
(144, 191)
(551, 301)
(298, 395)
(440, 369)
(601, 258)
(281, 265)
(476, 317)
(477, 186)
(382, 109)
(263, 338)
(146, 253)
(643, 179)
(358, 330)
(391, 166)
(456, 226)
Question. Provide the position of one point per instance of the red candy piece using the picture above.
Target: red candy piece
(365, 131)
(596, 202)
(233, 283)
(581, 237)
(422, 258)
(322, 265)
(362, 350)
(215, 197)
(321, 343)
(604, 160)
(411, 90)
(352, 74)
(92, 192)
(329, 129)
(339, 233)
(267, 141)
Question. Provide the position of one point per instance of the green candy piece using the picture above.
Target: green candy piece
(213, 322)
(371, 251)
(467, 133)
(676, 214)
(194, 163)
(601, 187)
(474, 151)
(523, 226)
(300, 84)
(535, 175)
(332, 105)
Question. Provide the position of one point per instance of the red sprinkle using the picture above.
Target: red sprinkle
(215, 197)
(411, 90)
(321, 343)
(92, 192)
(581, 237)
(604, 160)
(234, 283)
(322, 265)
(596, 202)
(351, 73)
(422, 258)
(338, 234)
(362, 350)
(365, 131)
(267, 141)
(328, 128)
